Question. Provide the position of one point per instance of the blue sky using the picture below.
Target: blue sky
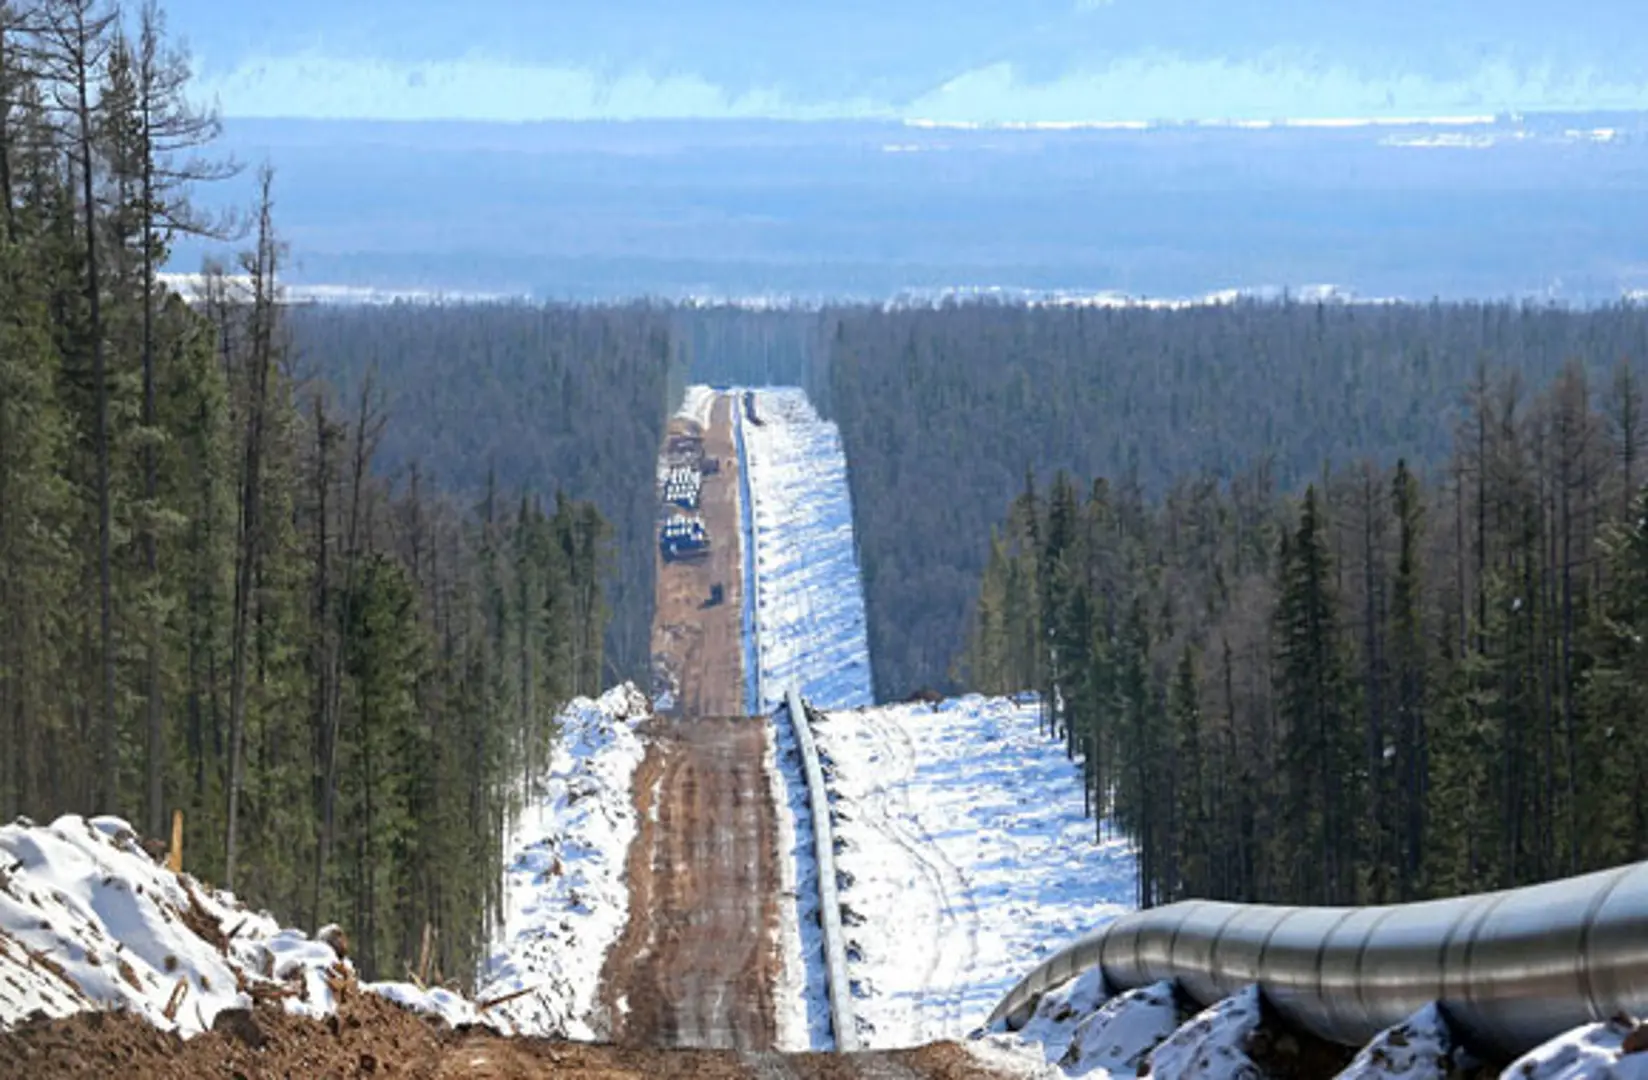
(1018, 60)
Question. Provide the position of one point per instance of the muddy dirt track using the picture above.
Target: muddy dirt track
(697, 963)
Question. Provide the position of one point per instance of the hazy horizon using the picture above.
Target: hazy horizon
(1038, 60)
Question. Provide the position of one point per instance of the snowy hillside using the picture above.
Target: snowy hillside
(809, 600)
(88, 920)
(565, 900)
(965, 859)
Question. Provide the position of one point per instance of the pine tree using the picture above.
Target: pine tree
(1314, 715)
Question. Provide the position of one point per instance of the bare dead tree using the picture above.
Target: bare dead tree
(261, 266)
(170, 130)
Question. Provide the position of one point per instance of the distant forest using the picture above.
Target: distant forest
(944, 410)
(519, 399)
(1390, 686)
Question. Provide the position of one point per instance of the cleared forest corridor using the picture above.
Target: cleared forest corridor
(698, 966)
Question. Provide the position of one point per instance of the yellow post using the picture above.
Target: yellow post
(174, 857)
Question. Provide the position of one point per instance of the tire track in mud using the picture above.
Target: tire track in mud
(696, 964)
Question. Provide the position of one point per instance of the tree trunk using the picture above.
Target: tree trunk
(263, 269)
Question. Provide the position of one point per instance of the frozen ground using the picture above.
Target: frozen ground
(88, 920)
(809, 601)
(565, 900)
(963, 857)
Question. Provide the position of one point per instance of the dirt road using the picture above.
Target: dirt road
(699, 645)
(696, 963)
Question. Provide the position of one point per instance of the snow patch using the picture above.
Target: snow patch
(1119, 1038)
(963, 858)
(565, 898)
(1213, 1045)
(1592, 1052)
(696, 406)
(1419, 1048)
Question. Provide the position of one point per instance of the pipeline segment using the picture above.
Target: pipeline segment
(752, 580)
(1510, 969)
(829, 902)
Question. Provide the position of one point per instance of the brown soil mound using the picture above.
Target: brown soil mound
(372, 1037)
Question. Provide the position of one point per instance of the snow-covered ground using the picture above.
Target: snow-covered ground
(1593, 1052)
(1085, 1033)
(1212, 1045)
(963, 856)
(796, 517)
(565, 899)
(88, 920)
(696, 405)
(1419, 1048)
(809, 600)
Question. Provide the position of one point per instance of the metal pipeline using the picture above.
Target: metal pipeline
(1510, 969)
(842, 1024)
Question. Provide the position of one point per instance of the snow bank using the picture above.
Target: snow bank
(1079, 1028)
(963, 858)
(1419, 1048)
(1213, 1044)
(1593, 1052)
(809, 600)
(565, 898)
(88, 920)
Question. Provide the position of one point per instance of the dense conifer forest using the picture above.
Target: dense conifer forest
(516, 398)
(215, 597)
(1398, 683)
(944, 409)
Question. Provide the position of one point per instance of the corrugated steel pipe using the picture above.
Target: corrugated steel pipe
(1510, 969)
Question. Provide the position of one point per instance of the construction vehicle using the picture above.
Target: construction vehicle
(683, 539)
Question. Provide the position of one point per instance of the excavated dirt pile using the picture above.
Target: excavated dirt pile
(373, 1037)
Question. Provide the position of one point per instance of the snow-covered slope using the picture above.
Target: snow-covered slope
(963, 857)
(88, 920)
(1593, 1052)
(809, 600)
(565, 900)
